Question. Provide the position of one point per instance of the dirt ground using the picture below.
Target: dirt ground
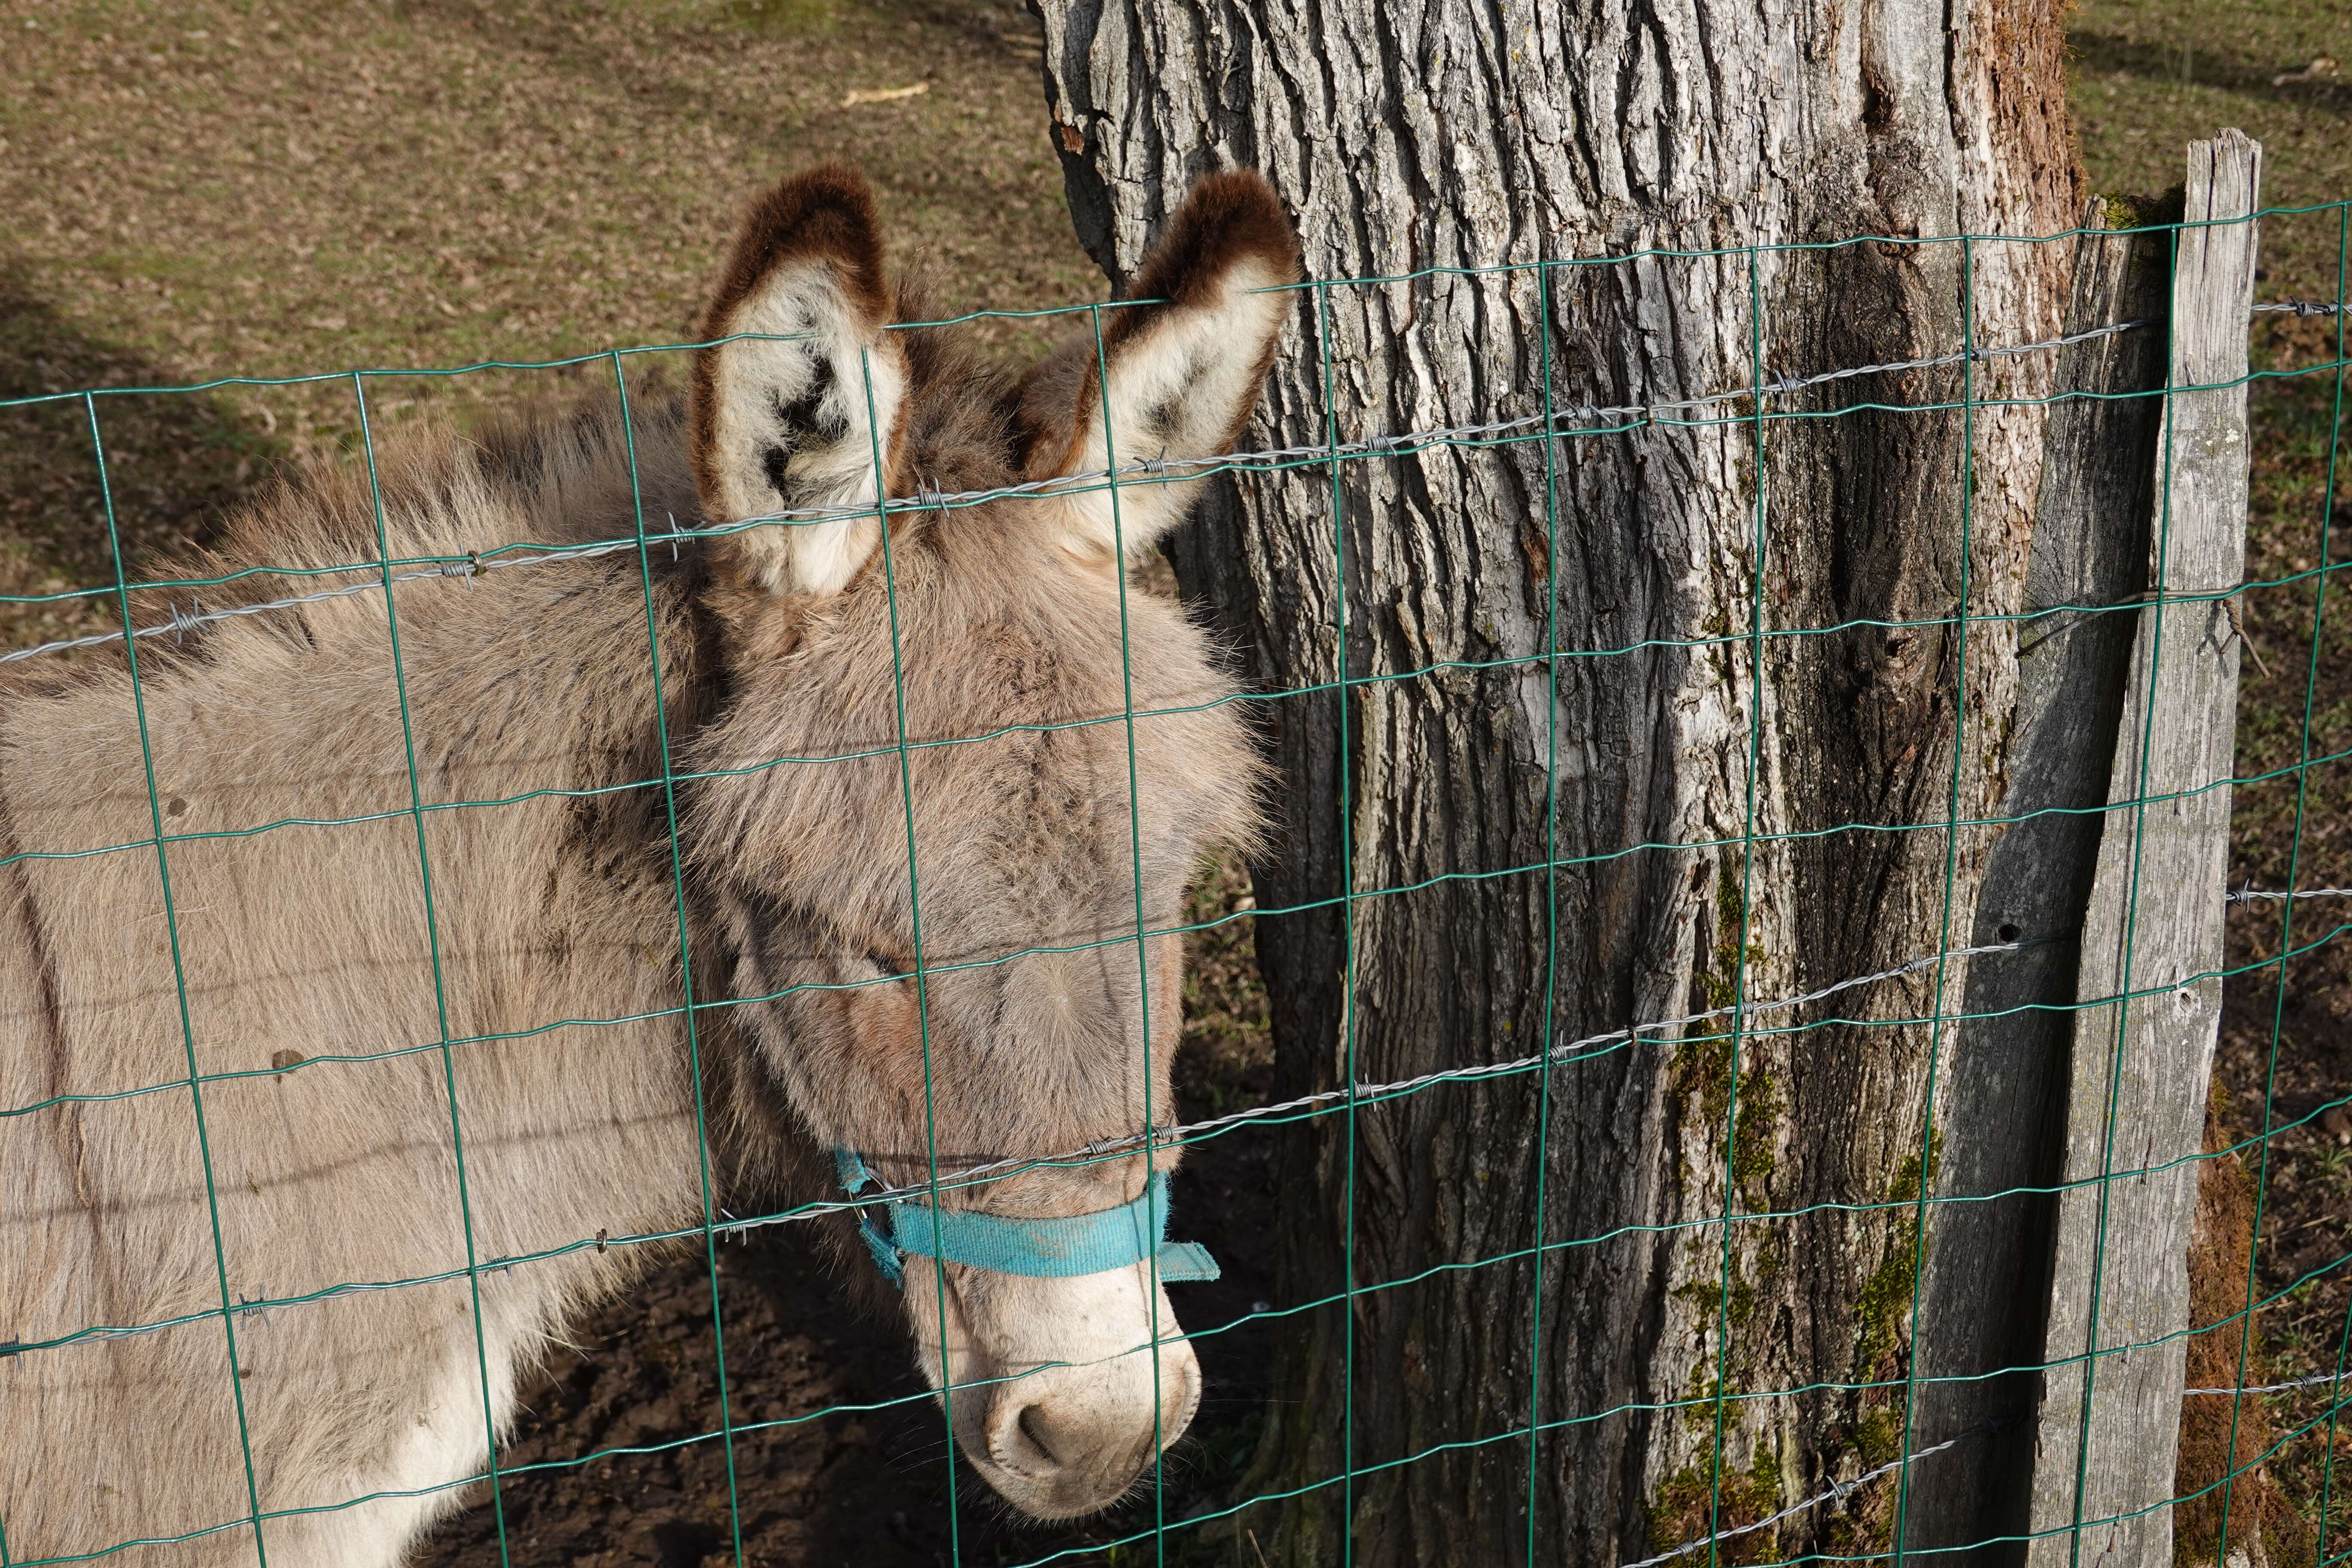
(866, 1487)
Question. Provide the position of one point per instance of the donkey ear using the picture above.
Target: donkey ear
(1184, 374)
(785, 419)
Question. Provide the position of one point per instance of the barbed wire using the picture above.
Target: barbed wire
(1169, 1137)
(182, 622)
(738, 1229)
(2261, 895)
(1560, 1055)
(1164, 1138)
(1833, 1494)
(2313, 1382)
(1557, 1055)
(1149, 470)
(1846, 1488)
(1177, 1135)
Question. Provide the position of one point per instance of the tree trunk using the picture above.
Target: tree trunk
(1642, 828)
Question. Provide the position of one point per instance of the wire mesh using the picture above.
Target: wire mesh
(2297, 1423)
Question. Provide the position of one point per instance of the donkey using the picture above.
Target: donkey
(370, 971)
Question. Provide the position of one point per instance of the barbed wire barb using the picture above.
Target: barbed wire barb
(1841, 1490)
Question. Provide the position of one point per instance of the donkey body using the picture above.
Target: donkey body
(183, 995)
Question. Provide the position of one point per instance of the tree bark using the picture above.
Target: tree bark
(1659, 821)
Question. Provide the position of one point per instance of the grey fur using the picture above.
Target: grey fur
(315, 940)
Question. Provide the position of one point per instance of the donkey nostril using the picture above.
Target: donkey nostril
(1031, 1426)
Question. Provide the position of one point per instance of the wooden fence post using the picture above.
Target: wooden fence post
(2004, 1104)
(2109, 1420)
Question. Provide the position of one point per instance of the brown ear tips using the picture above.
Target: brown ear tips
(1227, 218)
(823, 213)
(1247, 218)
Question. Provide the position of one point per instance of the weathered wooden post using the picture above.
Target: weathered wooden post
(2004, 1105)
(2148, 984)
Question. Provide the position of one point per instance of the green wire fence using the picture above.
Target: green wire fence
(2302, 1406)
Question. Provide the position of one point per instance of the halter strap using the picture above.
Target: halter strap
(1057, 1248)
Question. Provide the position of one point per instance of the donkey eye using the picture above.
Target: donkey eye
(892, 967)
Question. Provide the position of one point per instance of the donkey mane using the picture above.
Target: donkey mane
(559, 474)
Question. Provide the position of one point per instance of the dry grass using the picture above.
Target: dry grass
(218, 188)
(2149, 76)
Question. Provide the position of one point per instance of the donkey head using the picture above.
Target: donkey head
(950, 907)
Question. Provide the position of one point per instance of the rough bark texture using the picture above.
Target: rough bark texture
(2109, 1424)
(1421, 134)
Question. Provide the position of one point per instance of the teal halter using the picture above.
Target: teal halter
(1060, 1248)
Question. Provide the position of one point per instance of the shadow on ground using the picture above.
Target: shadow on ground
(2205, 67)
(175, 460)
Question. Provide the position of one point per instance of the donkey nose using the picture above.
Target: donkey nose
(1029, 1437)
(1071, 1444)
